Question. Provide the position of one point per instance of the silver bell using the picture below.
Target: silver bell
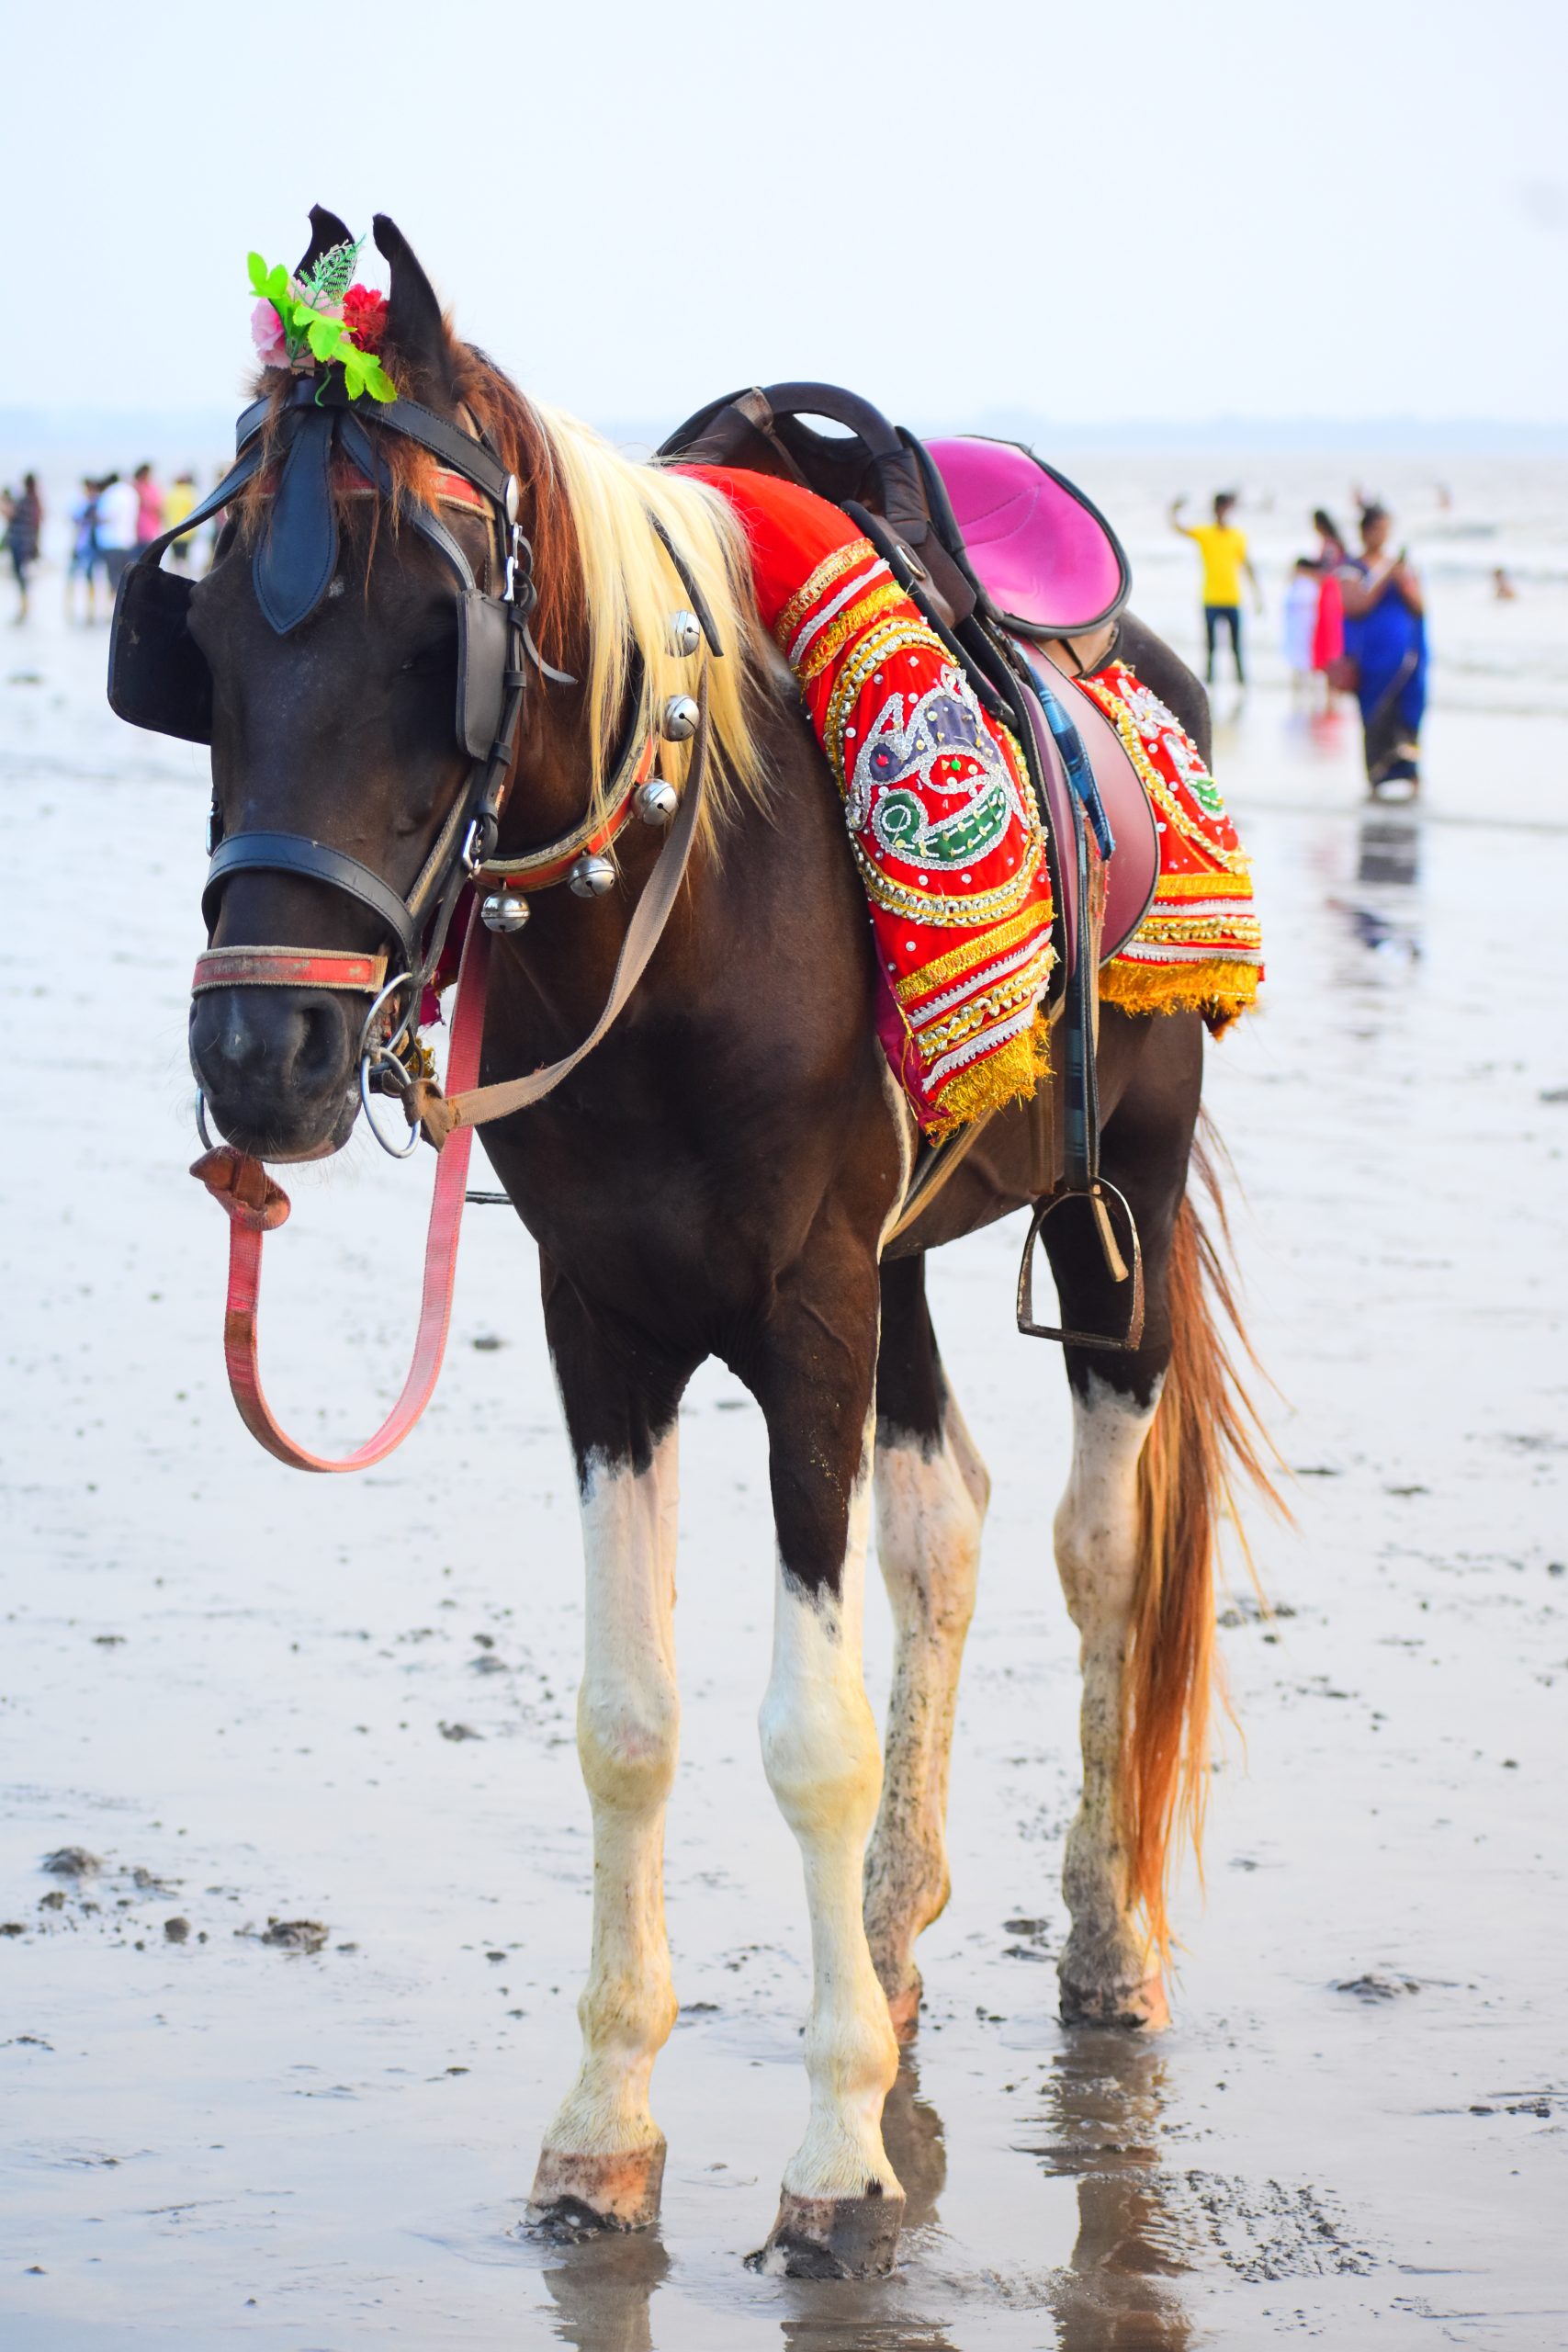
(656, 801)
(679, 722)
(685, 633)
(504, 911)
(591, 875)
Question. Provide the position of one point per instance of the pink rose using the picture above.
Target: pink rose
(266, 333)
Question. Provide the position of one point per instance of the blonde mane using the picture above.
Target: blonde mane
(631, 588)
(594, 513)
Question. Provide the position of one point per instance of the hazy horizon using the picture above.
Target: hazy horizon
(1167, 220)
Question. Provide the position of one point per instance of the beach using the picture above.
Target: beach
(327, 1724)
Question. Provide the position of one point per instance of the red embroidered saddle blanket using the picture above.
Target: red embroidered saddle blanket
(944, 828)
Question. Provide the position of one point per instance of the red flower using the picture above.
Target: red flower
(365, 317)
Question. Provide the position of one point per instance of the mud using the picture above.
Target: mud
(326, 1727)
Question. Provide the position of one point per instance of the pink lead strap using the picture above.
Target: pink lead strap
(254, 1204)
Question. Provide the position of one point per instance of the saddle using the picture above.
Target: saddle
(1018, 572)
(1024, 582)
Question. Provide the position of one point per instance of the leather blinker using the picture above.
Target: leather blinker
(297, 554)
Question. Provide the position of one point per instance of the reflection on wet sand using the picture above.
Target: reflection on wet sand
(1105, 2100)
(602, 2289)
(1384, 914)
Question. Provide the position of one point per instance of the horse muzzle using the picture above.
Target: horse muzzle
(277, 1067)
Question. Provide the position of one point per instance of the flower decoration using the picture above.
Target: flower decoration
(365, 316)
(321, 319)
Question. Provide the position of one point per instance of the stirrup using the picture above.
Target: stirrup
(1116, 1266)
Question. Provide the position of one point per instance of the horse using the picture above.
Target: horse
(721, 1177)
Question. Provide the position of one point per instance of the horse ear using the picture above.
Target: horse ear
(326, 230)
(416, 333)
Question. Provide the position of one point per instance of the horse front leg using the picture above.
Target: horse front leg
(602, 2167)
(931, 1492)
(842, 2202)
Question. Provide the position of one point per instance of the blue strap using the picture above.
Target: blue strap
(1075, 759)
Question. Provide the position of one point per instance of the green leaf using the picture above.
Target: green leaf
(353, 371)
(378, 383)
(277, 287)
(323, 336)
(257, 268)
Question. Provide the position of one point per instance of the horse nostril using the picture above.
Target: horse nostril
(321, 1038)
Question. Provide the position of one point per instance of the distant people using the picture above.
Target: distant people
(120, 509)
(1224, 549)
(23, 512)
(179, 500)
(84, 554)
(1328, 639)
(1333, 546)
(149, 506)
(1503, 587)
(1303, 595)
(1385, 637)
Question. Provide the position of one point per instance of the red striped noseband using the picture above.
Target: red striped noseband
(289, 967)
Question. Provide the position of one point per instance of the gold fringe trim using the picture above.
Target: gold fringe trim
(1220, 992)
(1010, 1074)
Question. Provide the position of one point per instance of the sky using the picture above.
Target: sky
(1225, 208)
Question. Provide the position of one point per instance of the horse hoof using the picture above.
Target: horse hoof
(581, 2197)
(832, 2237)
(904, 2008)
(1139, 2008)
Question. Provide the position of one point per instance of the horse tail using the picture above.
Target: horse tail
(1206, 1439)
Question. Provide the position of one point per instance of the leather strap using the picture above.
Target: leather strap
(255, 1205)
(289, 967)
(540, 869)
(314, 860)
(440, 1113)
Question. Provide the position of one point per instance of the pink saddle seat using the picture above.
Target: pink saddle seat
(1047, 558)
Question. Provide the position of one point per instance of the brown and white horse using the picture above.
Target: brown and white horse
(719, 1179)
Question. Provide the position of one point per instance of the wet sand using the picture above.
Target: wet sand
(256, 1698)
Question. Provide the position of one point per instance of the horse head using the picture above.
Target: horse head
(332, 633)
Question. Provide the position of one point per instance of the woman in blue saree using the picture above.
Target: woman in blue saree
(1385, 637)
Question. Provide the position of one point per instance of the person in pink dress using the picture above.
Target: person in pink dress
(1328, 636)
(149, 506)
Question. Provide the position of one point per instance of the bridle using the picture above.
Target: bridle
(158, 679)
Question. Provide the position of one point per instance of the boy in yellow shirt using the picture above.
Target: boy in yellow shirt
(1223, 550)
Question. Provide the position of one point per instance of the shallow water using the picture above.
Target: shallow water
(243, 1685)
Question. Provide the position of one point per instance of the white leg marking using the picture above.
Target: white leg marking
(825, 1768)
(1107, 1968)
(931, 1503)
(627, 1726)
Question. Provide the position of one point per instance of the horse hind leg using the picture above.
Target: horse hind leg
(602, 2166)
(931, 1492)
(1157, 1436)
(1109, 1968)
